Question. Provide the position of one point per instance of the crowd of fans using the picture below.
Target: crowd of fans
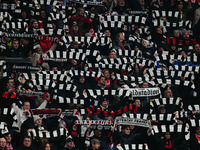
(100, 74)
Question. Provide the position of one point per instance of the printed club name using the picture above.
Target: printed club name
(100, 122)
(145, 92)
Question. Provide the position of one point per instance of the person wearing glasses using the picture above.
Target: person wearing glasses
(3, 144)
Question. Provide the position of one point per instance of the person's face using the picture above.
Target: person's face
(176, 33)
(183, 53)
(96, 146)
(11, 83)
(107, 33)
(70, 144)
(168, 93)
(39, 50)
(144, 44)
(43, 14)
(82, 80)
(121, 3)
(81, 12)
(2, 143)
(145, 85)
(54, 25)
(35, 25)
(197, 131)
(54, 69)
(167, 135)
(163, 110)
(97, 133)
(27, 142)
(197, 49)
(186, 35)
(74, 45)
(126, 131)
(24, 14)
(159, 30)
(38, 122)
(112, 55)
(102, 81)
(121, 37)
(173, 47)
(137, 102)
(132, 127)
(47, 147)
(180, 5)
(141, 1)
(108, 118)
(107, 74)
(87, 118)
(26, 106)
(15, 44)
(75, 28)
(24, 42)
(104, 103)
(8, 138)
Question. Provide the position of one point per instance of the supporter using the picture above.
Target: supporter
(74, 30)
(112, 54)
(120, 42)
(9, 141)
(107, 33)
(176, 34)
(69, 145)
(16, 50)
(128, 137)
(95, 144)
(196, 23)
(98, 135)
(162, 109)
(196, 49)
(145, 100)
(46, 146)
(43, 20)
(24, 16)
(27, 144)
(81, 84)
(101, 83)
(36, 57)
(121, 6)
(84, 24)
(168, 93)
(173, 49)
(159, 38)
(66, 31)
(3, 144)
(186, 35)
(34, 25)
(168, 142)
(194, 140)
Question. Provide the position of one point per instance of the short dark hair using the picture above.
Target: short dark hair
(28, 137)
(100, 78)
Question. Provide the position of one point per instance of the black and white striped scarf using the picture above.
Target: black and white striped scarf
(181, 24)
(158, 14)
(54, 134)
(169, 73)
(172, 128)
(125, 19)
(133, 147)
(63, 56)
(166, 101)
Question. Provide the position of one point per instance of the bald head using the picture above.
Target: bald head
(2, 143)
